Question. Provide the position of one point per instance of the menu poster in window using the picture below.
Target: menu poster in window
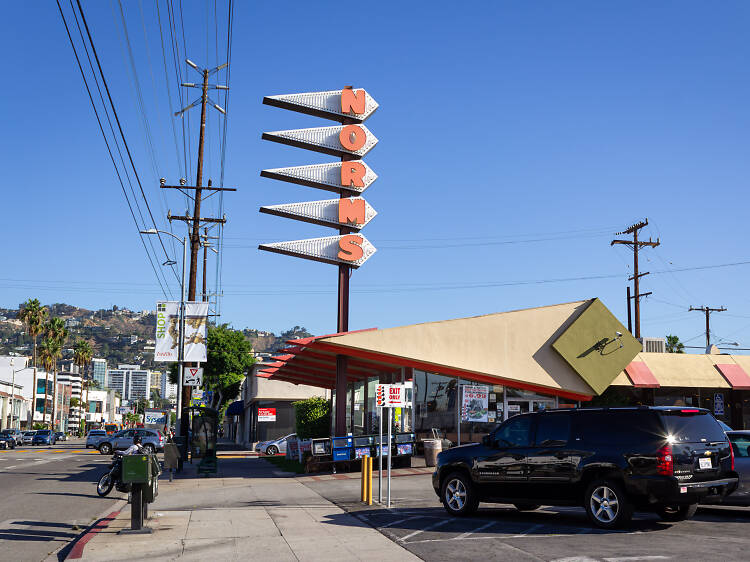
(474, 402)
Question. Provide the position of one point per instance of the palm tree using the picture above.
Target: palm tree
(47, 357)
(82, 354)
(33, 315)
(56, 333)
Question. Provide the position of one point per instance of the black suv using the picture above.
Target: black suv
(609, 460)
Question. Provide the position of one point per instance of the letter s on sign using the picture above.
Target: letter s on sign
(350, 247)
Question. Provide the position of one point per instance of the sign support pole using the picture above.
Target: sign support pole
(458, 417)
(390, 414)
(380, 455)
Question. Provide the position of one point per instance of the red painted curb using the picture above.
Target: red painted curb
(77, 550)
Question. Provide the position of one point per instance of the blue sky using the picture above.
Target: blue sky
(515, 139)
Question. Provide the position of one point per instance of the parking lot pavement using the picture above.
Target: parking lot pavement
(418, 522)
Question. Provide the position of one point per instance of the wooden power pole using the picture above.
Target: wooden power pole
(707, 310)
(196, 221)
(636, 245)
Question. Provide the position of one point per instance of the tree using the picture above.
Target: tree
(55, 331)
(33, 315)
(674, 345)
(47, 355)
(229, 358)
(82, 354)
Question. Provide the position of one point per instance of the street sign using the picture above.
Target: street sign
(347, 249)
(354, 176)
(353, 212)
(392, 395)
(340, 140)
(356, 105)
(192, 376)
(266, 414)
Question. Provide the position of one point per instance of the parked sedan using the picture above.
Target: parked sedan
(740, 441)
(28, 437)
(60, 436)
(152, 440)
(275, 446)
(44, 437)
(7, 441)
(95, 437)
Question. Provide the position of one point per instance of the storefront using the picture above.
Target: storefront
(525, 360)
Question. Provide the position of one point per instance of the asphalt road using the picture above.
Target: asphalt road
(418, 522)
(47, 496)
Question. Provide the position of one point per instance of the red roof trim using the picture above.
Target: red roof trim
(640, 375)
(424, 366)
(283, 357)
(308, 341)
(735, 375)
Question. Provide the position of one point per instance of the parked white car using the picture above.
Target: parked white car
(275, 446)
(94, 437)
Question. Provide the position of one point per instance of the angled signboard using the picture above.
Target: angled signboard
(355, 105)
(341, 140)
(347, 249)
(353, 212)
(352, 177)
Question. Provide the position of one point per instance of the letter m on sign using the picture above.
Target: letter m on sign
(351, 211)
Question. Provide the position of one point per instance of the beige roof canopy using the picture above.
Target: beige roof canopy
(510, 348)
(691, 370)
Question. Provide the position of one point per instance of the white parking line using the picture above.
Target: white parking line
(633, 558)
(428, 528)
(482, 528)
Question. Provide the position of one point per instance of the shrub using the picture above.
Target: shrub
(313, 417)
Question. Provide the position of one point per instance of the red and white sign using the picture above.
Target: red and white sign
(266, 414)
(380, 394)
(353, 212)
(391, 396)
(348, 249)
(192, 376)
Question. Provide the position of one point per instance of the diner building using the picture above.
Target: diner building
(558, 356)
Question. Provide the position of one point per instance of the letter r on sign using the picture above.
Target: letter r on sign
(353, 173)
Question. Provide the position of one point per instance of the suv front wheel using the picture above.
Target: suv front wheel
(677, 512)
(606, 504)
(458, 495)
(105, 448)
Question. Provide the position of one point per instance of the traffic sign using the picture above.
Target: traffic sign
(353, 177)
(353, 212)
(192, 376)
(348, 249)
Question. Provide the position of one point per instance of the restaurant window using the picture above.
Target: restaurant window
(434, 399)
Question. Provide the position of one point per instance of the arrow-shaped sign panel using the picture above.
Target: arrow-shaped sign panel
(352, 140)
(327, 176)
(348, 249)
(328, 104)
(353, 212)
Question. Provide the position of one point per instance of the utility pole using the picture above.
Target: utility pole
(206, 245)
(708, 312)
(196, 221)
(636, 245)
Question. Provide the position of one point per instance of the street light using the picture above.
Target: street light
(181, 344)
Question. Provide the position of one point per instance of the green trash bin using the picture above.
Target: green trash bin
(137, 469)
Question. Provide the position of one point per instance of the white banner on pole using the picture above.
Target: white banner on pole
(196, 319)
(167, 331)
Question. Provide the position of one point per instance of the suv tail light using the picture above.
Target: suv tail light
(731, 454)
(664, 464)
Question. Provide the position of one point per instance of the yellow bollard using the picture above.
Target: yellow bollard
(369, 480)
(363, 494)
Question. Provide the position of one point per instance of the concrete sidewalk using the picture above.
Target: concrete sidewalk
(252, 510)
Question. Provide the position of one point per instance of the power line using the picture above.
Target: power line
(119, 126)
(106, 142)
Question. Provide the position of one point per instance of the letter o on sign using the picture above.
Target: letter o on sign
(352, 137)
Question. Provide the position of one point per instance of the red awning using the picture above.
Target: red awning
(735, 375)
(640, 375)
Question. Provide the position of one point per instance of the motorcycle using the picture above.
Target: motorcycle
(112, 478)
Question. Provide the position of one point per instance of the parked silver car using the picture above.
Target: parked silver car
(275, 446)
(95, 437)
(152, 440)
(28, 437)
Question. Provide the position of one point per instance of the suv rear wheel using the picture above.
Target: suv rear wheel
(105, 448)
(149, 448)
(606, 504)
(677, 512)
(458, 495)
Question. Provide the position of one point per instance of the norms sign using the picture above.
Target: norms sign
(350, 141)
